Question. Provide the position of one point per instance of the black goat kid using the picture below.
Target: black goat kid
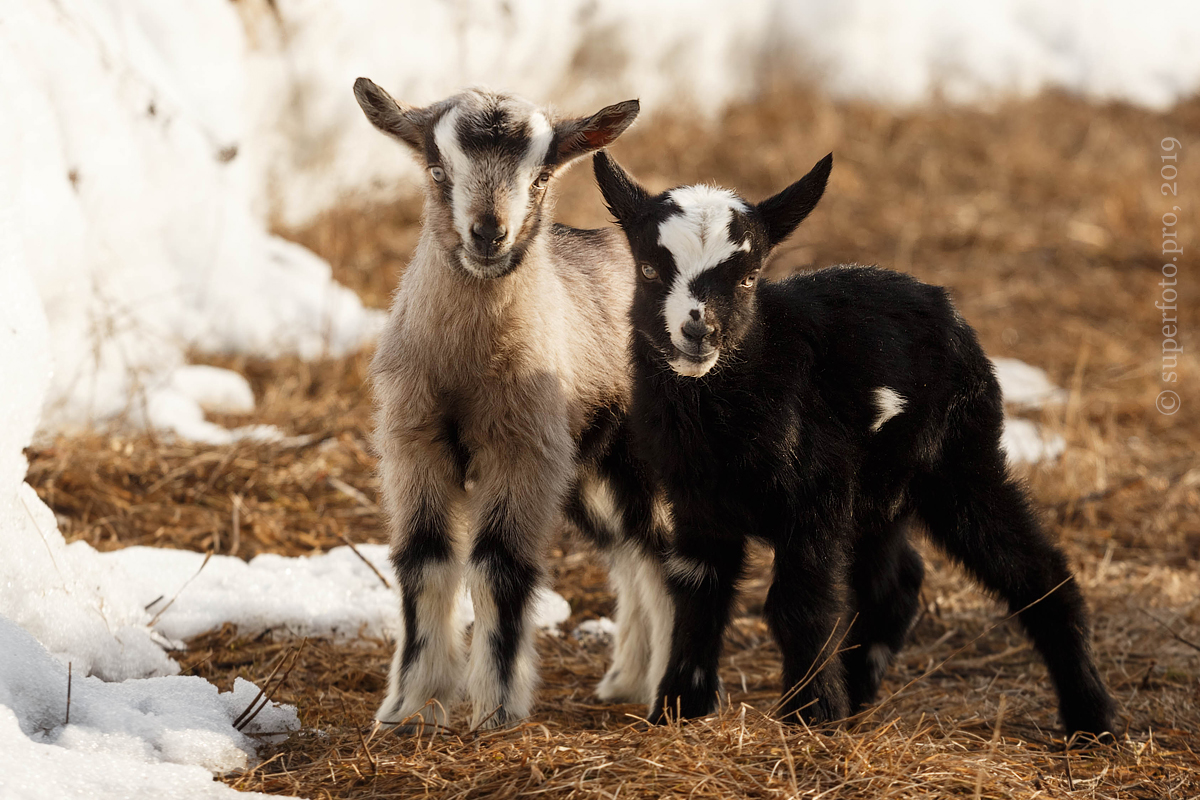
(820, 414)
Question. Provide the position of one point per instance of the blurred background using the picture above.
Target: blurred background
(199, 235)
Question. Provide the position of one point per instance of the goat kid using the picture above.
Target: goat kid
(501, 383)
(820, 414)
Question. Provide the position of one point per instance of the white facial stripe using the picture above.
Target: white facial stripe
(458, 169)
(678, 308)
(698, 240)
(541, 134)
(890, 403)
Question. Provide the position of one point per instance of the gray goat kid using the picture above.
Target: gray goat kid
(501, 384)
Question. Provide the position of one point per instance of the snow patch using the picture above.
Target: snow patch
(156, 738)
(214, 389)
(1025, 385)
(332, 594)
(1026, 443)
(603, 630)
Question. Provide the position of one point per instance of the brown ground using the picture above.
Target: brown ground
(1042, 216)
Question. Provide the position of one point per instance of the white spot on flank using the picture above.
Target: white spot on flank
(890, 403)
(698, 240)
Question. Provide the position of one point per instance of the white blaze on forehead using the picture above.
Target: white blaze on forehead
(698, 240)
(889, 403)
(458, 171)
(541, 133)
(698, 236)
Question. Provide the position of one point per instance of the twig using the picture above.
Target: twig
(1171, 631)
(271, 693)
(236, 533)
(261, 691)
(67, 721)
(354, 550)
(186, 583)
(352, 492)
(362, 741)
(791, 762)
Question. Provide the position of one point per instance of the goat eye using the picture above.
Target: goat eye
(437, 173)
(542, 180)
(748, 281)
(649, 272)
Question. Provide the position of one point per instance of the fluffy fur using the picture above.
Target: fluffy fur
(820, 414)
(501, 383)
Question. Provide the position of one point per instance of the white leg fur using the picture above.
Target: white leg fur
(424, 692)
(658, 609)
(625, 680)
(484, 686)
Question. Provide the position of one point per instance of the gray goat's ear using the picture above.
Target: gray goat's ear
(623, 195)
(578, 137)
(786, 210)
(403, 122)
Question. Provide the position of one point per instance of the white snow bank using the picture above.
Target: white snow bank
(75, 609)
(332, 594)
(901, 51)
(157, 738)
(119, 171)
(313, 146)
(310, 145)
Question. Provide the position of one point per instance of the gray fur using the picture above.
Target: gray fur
(492, 365)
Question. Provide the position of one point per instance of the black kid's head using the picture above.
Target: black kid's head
(699, 251)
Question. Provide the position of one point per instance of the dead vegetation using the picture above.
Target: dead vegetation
(1042, 216)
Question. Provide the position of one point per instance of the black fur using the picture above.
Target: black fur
(429, 543)
(775, 442)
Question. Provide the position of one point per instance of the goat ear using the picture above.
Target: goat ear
(623, 195)
(786, 210)
(394, 119)
(578, 137)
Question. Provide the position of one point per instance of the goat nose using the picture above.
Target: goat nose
(696, 329)
(487, 231)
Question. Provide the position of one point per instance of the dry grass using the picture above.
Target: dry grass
(1042, 216)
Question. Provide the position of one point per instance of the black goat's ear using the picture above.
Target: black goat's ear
(578, 137)
(786, 210)
(395, 119)
(623, 195)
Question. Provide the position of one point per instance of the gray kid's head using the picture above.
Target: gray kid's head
(489, 159)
